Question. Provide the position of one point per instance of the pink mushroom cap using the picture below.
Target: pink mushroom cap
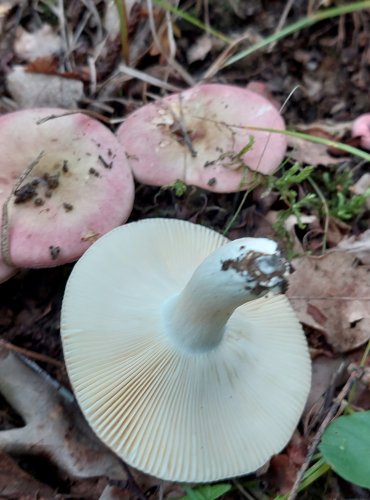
(6, 272)
(200, 136)
(79, 189)
(361, 128)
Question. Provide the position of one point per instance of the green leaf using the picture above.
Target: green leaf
(345, 446)
(208, 492)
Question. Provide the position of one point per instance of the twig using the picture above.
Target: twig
(151, 80)
(281, 22)
(87, 112)
(4, 243)
(242, 490)
(31, 354)
(329, 416)
(170, 59)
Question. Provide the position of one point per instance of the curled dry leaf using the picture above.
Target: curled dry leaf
(332, 294)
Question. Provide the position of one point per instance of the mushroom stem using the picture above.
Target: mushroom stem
(240, 271)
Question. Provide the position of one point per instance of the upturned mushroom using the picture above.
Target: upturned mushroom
(201, 136)
(184, 356)
(64, 181)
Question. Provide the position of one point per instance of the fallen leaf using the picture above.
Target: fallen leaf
(324, 371)
(332, 294)
(14, 482)
(283, 467)
(318, 154)
(45, 65)
(31, 90)
(41, 43)
(310, 153)
(200, 49)
(359, 246)
(54, 425)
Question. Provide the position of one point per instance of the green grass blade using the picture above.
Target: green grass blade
(319, 140)
(123, 29)
(192, 20)
(299, 25)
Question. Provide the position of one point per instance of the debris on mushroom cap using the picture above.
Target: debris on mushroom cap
(60, 207)
(201, 137)
(361, 128)
(172, 369)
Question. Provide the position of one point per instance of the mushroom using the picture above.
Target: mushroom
(201, 136)
(6, 272)
(361, 128)
(76, 185)
(180, 359)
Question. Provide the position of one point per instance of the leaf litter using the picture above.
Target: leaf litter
(330, 293)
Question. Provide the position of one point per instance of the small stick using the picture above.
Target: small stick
(5, 251)
(329, 416)
(31, 354)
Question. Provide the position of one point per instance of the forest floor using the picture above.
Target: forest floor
(321, 74)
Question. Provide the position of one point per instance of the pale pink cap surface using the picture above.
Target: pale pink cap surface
(361, 128)
(198, 136)
(81, 188)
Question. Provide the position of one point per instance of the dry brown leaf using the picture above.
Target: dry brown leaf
(332, 294)
(15, 483)
(317, 154)
(283, 467)
(200, 49)
(359, 246)
(324, 370)
(310, 153)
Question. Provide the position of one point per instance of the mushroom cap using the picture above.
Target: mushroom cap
(81, 188)
(6, 271)
(216, 119)
(361, 128)
(170, 413)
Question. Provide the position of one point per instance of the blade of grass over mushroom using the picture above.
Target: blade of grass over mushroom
(192, 20)
(322, 15)
(217, 154)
